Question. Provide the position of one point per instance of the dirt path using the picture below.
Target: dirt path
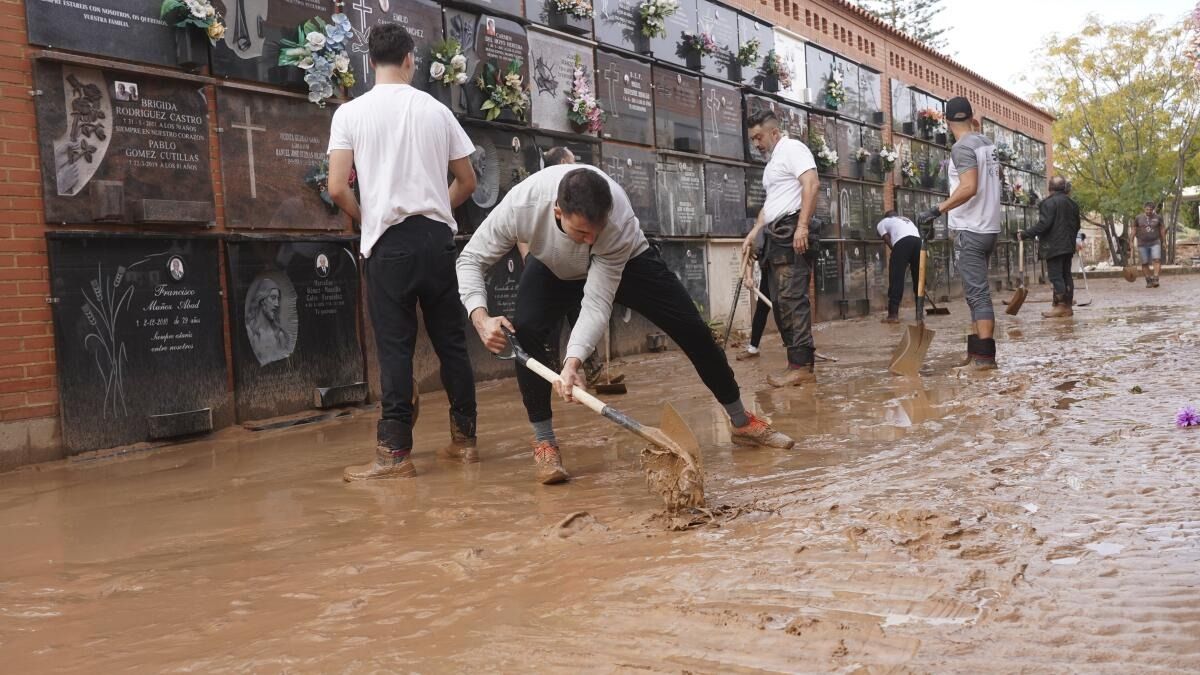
(1040, 519)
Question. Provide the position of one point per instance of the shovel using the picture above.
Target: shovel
(671, 461)
(767, 301)
(910, 353)
(1018, 297)
(737, 295)
(610, 386)
(1085, 285)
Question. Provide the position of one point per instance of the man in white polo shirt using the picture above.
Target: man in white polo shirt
(401, 141)
(904, 239)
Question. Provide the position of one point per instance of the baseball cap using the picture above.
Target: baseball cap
(958, 109)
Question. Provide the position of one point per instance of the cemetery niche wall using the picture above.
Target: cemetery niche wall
(121, 147)
(422, 19)
(552, 66)
(139, 338)
(103, 28)
(623, 86)
(633, 168)
(250, 48)
(501, 160)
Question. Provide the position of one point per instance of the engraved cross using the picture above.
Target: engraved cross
(250, 128)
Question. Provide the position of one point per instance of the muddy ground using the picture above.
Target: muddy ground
(1040, 519)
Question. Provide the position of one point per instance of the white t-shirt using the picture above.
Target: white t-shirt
(781, 178)
(981, 213)
(403, 141)
(897, 228)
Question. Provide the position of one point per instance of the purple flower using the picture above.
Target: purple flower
(1187, 417)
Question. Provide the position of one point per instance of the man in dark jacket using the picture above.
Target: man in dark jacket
(1058, 223)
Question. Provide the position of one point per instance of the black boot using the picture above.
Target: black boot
(983, 354)
(972, 347)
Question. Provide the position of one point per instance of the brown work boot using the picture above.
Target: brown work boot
(549, 463)
(388, 464)
(746, 355)
(462, 445)
(793, 377)
(1059, 310)
(759, 432)
(892, 317)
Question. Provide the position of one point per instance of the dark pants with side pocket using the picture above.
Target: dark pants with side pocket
(758, 323)
(414, 263)
(790, 274)
(1058, 268)
(906, 256)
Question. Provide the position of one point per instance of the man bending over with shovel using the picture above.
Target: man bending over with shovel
(587, 250)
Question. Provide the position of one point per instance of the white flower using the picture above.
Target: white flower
(461, 78)
(437, 70)
(209, 11)
(316, 41)
(459, 62)
(341, 63)
(305, 64)
(196, 8)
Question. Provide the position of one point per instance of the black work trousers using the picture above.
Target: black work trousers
(414, 263)
(789, 274)
(758, 323)
(1058, 268)
(906, 256)
(649, 288)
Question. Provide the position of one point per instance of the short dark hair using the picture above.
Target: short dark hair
(891, 213)
(389, 44)
(1058, 184)
(585, 192)
(761, 117)
(556, 155)
(1150, 204)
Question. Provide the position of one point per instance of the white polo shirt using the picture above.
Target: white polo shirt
(781, 178)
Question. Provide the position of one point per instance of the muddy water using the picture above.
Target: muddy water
(1039, 519)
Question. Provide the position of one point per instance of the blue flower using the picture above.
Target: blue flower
(342, 21)
(335, 33)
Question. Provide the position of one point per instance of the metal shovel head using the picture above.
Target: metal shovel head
(1018, 299)
(672, 462)
(910, 353)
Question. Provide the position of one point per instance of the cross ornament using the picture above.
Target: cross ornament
(250, 128)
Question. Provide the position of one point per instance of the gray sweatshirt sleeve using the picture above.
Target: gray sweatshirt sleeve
(491, 242)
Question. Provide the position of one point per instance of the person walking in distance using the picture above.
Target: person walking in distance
(401, 141)
(903, 239)
(1151, 233)
(587, 250)
(974, 213)
(790, 180)
(1056, 230)
(762, 312)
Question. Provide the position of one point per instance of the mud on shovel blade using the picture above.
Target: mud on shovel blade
(672, 460)
(914, 343)
(1018, 297)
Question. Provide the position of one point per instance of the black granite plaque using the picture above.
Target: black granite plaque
(848, 142)
(495, 41)
(124, 29)
(828, 280)
(552, 66)
(790, 52)
(854, 278)
(677, 111)
(938, 278)
(850, 210)
(725, 200)
(253, 29)
(501, 160)
(870, 85)
(269, 144)
(502, 280)
(422, 19)
(877, 276)
(720, 23)
(748, 29)
(120, 147)
(939, 163)
(688, 261)
(852, 105)
(903, 116)
(617, 24)
(819, 64)
(585, 151)
(793, 120)
(723, 122)
(680, 196)
(872, 140)
(624, 89)
(906, 204)
(753, 104)
(670, 47)
(138, 333)
(295, 323)
(920, 158)
(633, 169)
(825, 209)
(872, 209)
(756, 195)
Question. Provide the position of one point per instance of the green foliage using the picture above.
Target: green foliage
(913, 17)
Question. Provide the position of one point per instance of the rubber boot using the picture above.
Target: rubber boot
(972, 339)
(1058, 310)
(982, 353)
(462, 447)
(793, 376)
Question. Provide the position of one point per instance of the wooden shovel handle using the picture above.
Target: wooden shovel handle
(593, 403)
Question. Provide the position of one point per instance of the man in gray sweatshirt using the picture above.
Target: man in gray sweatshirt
(587, 250)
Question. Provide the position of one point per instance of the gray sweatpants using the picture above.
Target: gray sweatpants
(972, 251)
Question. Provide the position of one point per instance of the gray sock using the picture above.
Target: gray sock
(544, 431)
(737, 413)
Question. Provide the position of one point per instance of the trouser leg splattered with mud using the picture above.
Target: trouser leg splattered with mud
(1058, 268)
(789, 277)
(973, 251)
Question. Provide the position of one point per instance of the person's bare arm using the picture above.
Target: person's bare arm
(464, 181)
(809, 185)
(341, 163)
(887, 241)
(968, 185)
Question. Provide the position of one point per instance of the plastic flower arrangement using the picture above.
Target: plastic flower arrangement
(577, 8)
(584, 110)
(504, 89)
(702, 44)
(835, 92)
(1187, 417)
(748, 52)
(449, 65)
(862, 154)
(194, 13)
(773, 65)
(888, 157)
(321, 49)
(654, 15)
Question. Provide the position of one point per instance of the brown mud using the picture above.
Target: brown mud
(1042, 518)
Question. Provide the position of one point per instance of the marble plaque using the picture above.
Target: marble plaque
(851, 215)
(501, 160)
(623, 87)
(854, 278)
(749, 28)
(825, 209)
(872, 140)
(877, 276)
(819, 64)
(552, 65)
(633, 168)
(723, 122)
(670, 48)
(852, 105)
(123, 29)
(585, 151)
(756, 195)
(872, 210)
(617, 24)
(870, 87)
(753, 104)
(422, 19)
(677, 111)
(906, 204)
(138, 332)
(688, 261)
(495, 40)
(253, 29)
(720, 22)
(121, 147)
(848, 142)
(793, 120)
(790, 51)
(725, 200)
(680, 196)
(939, 163)
(904, 117)
(269, 144)
(827, 271)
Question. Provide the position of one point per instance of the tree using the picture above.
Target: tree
(913, 17)
(1128, 116)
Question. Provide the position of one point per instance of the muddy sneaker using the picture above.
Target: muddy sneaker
(549, 463)
(387, 464)
(747, 355)
(759, 432)
(462, 447)
(1060, 309)
(793, 377)
(1155, 281)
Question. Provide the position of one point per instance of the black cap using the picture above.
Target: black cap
(958, 109)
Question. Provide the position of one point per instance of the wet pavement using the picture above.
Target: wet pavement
(1039, 519)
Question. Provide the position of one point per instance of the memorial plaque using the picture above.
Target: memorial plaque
(872, 140)
(502, 280)
(725, 200)
(825, 128)
(790, 51)
(680, 197)
(920, 158)
(870, 84)
(939, 159)
(906, 204)
(422, 19)
(852, 105)
(756, 195)
(754, 104)
(903, 116)
(269, 144)
(720, 22)
(670, 48)
(793, 121)
(494, 40)
(723, 122)
(748, 29)
(677, 111)
(824, 209)
(877, 276)
(120, 147)
(509, 7)
(937, 271)
(253, 29)
(617, 24)
(872, 209)
(123, 29)
(552, 65)
(848, 142)
(545, 13)
(850, 210)
(854, 278)
(501, 160)
(295, 323)
(688, 261)
(624, 89)
(820, 64)
(633, 169)
(828, 279)
(138, 333)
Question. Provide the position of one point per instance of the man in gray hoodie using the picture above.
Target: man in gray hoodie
(587, 250)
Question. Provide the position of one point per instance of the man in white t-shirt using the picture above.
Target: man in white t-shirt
(401, 141)
(904, 240)
(974, 210)
(790, 181)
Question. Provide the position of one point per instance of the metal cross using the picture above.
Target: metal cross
(249, 128)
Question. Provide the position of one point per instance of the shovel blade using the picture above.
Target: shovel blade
(672, 462)
(910, 353)
(1018, 299)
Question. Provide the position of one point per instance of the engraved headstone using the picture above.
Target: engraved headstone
(819, 64)
(754, 104)
(422, 19)
(585, 152)
(828, 281)
(670, 48)
(496, 41)
(790, 51)
(756, 196)
(852, 105)
(680, 196)
(825, 209)
(139, 339)
(617, 24)
(121, 147)
(677, 111)
(793, 120)
(123, 29)
(848, 142)
(872, 140)
(552, 67)
(869, 85)
(725, 200)
(872, 210)
(501, 160)
(623, 87)
(939, 160)
(720, 23)
(751, 29)
(850, 210)
(689, 263)
(854, 278)
(633, 169)
(903, 114)
(253, 28)
(293, 308)
(723, 123)
(906, 204)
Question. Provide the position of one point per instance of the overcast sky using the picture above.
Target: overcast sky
(1000, 40)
